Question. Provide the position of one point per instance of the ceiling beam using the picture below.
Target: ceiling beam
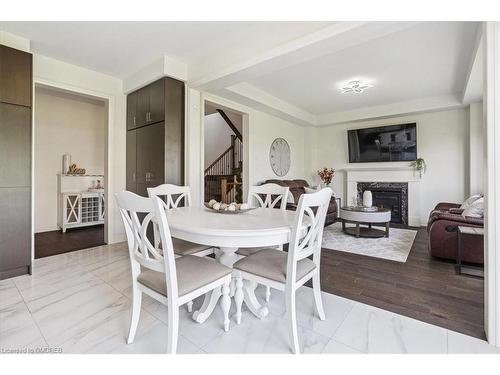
(473, 83)
(253, 96)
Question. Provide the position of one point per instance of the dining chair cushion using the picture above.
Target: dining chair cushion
(271, 264)
(182, 247)
(246, 251)
(192, 273)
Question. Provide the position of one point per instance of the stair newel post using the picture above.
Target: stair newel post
(233, 152)
(223, 188)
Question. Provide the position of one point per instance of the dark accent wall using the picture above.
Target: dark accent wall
(16, 85)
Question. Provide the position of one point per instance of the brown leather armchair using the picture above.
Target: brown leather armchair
(442, 234)
(297, 189)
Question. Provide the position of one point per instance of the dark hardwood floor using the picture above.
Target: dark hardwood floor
(57, 242)
(423, 288)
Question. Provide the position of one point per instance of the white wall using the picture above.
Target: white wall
(442, 141)
(476, 148)
(217, 137)
(64, 124)
(70, 77)
(263, 130)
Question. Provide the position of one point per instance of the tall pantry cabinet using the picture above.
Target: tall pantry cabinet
(16, 85)
(155, 135)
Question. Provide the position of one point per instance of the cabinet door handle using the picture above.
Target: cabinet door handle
(133, 176)
(134, 121)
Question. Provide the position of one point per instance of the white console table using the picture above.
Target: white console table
(77, 206)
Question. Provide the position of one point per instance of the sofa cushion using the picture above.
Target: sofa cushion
(469, 201)
(310, 190)
(296, 193)
(297, 188)
(476, 209)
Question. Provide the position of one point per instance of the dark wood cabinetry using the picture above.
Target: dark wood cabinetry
(142, 108)
(15, 231)
(157, 100)
(174, 133)
(131, 161)
(15, 76)
(132, 111)
(15, 145)
(15, 162)
(150, 153)
(147, 105)
(155, 141)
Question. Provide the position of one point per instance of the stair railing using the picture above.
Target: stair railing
(227, 166)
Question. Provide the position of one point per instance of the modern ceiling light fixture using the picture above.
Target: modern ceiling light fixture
(355, 87)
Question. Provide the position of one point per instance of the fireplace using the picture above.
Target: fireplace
(392, 195)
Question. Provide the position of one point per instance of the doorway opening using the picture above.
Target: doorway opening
(223, 154)
(70, 135)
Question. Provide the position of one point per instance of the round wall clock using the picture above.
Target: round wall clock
(279, 157)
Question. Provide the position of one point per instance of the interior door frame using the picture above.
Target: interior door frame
(246, 141)
(491, 111)
(109, 102)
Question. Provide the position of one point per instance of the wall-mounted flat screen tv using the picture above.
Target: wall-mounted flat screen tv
(383, 143)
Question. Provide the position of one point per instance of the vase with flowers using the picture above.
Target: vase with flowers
(326, 175)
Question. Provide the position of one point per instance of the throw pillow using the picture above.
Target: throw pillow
(310, 190)
(476, 209)
(469, 201)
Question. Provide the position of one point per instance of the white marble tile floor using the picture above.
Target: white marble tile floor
(80, 302)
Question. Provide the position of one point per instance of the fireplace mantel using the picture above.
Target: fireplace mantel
(387, 174)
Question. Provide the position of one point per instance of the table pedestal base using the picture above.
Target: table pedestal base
(228, 257)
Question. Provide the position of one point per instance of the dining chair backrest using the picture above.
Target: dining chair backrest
(311, 212)
(268, 195)
(173, 194)
(137, 214)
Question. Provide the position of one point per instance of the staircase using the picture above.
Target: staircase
(223, 180)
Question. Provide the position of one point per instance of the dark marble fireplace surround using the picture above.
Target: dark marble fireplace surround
(393, 195)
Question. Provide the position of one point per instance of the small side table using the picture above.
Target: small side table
(467, 270)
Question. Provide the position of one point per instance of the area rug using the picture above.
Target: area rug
(396, 247)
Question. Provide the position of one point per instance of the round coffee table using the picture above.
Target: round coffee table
(361, 216)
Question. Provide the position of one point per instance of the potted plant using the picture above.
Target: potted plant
(420, 166)
(326, 175)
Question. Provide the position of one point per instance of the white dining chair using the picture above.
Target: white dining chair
(266, 196)
(172, 196)
(173, 281)
(288, 271)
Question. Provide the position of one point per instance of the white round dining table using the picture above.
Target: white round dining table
(228, 232)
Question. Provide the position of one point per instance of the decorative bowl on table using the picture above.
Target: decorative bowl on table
(224, 208)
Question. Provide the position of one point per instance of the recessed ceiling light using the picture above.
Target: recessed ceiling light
(355, 87)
